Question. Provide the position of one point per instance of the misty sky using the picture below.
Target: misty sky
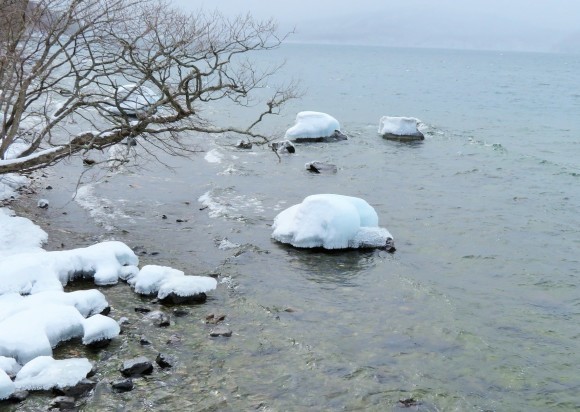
(531, 25)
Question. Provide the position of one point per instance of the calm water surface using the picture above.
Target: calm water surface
(477, 310)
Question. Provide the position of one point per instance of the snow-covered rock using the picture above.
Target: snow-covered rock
(314, 127)
(332, 222)
(283, 147)
(32, 273)
(9, 185)
(400, 128)
(45, 373)
(171, 283)
(7, 387)
(134, 100)
(19, 235)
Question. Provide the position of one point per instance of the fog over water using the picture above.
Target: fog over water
(517, 25)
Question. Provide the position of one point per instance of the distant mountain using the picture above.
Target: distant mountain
(422, 29)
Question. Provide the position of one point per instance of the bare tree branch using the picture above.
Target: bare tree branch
(79, 75)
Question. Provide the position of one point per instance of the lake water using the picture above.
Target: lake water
(477, 310)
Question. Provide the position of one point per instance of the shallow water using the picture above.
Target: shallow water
(477, 309)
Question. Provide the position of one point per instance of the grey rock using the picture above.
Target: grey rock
(285, 146)
(220, 331)
(159, 318)
(404, 137)
(18, 397)
(321, 167)
(244, 145)
(137, 367)
(63, 402)
(122, 385)
(165, 361)
(80, 389)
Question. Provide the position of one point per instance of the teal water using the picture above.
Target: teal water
(479, 307)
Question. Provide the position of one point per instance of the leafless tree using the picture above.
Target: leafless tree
(78, 75)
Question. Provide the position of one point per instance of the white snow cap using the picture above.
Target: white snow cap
(312, 124)
(164, 280)
(45, 373)
(399, 126)
(332, 222)
(19, 235)
(10, 183)
(33, 273)
(7, 387)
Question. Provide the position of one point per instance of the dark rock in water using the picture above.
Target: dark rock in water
(18, 397)
(407, 403)
(143, 341)
(106, 311)
(137, 367)
(42, 203)
(122, 385)
(99, 344)
(164, 361)
(390, 246)
(214, 318)
(161, 319)
(63, 402)
(284, 146)
(321, 167)
(174, 299)
(142, 310)
(337, 136)
(404, 137)
(77, 390)
(220, 331)
(179, 313)
(244, 145)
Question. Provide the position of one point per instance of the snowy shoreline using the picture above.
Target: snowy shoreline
(36, 314)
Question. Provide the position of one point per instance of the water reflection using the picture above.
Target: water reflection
(335, 267)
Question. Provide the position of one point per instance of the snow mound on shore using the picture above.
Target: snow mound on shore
(35, 272)
(332, 222)
(45, 373)
(19, 235)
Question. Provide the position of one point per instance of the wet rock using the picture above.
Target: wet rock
(99, 344)
(49, 187)
(334, 137)
(89, 162)
(174, 340)
(174, 299)
(142, 310)
(214, 319)
(159, 318)
(244, 145)
(18, 397)
(143, 341)
(284, 146)
(179, 313)
(106, 311)
(407, 403)
(42, 203)
(137, 367)
(122, 385)
(321, 167)
(63, 403)
(123, 321)
(140, 250)
(220, 331)
(164, 361)
(80, 389)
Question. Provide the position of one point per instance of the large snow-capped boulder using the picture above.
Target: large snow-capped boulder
(133, 100)
(45, 373)
(332, 222)
(315, 127)
(400, 128)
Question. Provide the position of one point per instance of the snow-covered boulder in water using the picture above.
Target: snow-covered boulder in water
(315, 127)
(331, 222)
(400, 128)
(133, 100)
(171, 285)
